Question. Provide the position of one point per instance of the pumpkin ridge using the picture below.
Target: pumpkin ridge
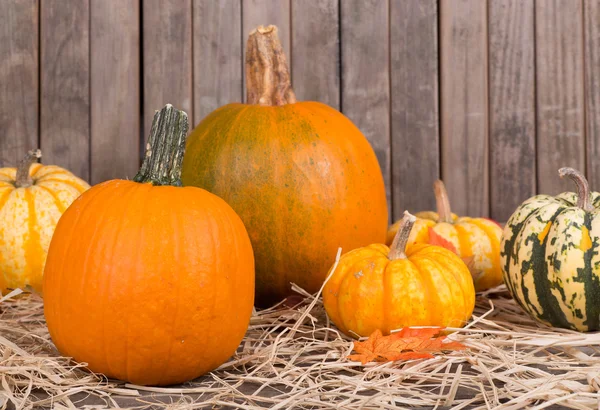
(139, 236)
(509, 240)
(465, 243)
(546, 299)
(528, 306)
(457, 277)
(4, 198)
(494, 241)
(139, 258)
(57, 202)
(560, 244)
(107, 279)
(95, 191)
(344, 285)
(51, 174)
(386, 298)
(70, 183)
(427, 287)
(592, 282)
(175, 316)
(443, 272)
(33, 246)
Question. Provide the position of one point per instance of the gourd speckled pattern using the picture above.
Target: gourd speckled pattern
(550, 259)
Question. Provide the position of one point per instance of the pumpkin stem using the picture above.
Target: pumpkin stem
(442, 202)
(584, 197)
(165, 148)
(267, 75)
(23, 179)
(398, 246)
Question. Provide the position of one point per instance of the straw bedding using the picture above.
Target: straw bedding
(292, 357)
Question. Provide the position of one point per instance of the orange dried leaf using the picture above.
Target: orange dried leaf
(407, 344)
(438, 240)
(417, 332)
(411, 356)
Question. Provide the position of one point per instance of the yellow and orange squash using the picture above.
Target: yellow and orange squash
(148, 281)
(380, 288)
(32, 199)
(302, 177)
(476, 240)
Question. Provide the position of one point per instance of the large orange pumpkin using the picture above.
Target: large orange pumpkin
(407, 284)
(302, 177)
(32, 198)
(147, 281)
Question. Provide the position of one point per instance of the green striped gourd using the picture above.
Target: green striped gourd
(550, 258)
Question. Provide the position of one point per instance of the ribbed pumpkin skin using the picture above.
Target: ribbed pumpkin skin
(551, 263)
(28, 216)
(472, 237)
(368, 291)
(303, 179)
(149, 284)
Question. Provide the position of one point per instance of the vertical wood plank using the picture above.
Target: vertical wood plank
(414, 96)
(559, 89)
(218, 55)
(365, 75)
(18, 79)
(592, 85)
(115, 89)
(167, 57)
(512, 105)
(65, 87)
(464, 104)
(263, 13)
(316, 51)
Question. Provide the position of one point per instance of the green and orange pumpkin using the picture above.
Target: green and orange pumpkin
(302, 177)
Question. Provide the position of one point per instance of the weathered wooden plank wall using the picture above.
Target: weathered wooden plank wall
(493, 96)
(511, 40)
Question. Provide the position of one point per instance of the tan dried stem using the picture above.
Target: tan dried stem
(398, 246)
(267, 74)
(23, 179)
(442, 202)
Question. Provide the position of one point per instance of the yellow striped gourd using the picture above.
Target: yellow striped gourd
(32, 199)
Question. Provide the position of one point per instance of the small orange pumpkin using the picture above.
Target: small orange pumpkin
(32, 199)
(147, 281)
(381, 288)
(302, 177)
(475, 239)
